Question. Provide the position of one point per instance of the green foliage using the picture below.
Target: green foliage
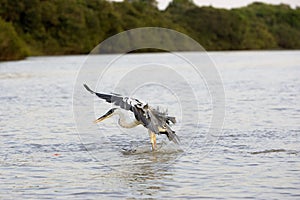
(215, 29)
(77, 26)
(12, 47)
(273, 27)
(257, 26)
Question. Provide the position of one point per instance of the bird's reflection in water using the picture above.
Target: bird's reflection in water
(149, 172)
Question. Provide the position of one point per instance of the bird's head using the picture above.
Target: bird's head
(109, 113)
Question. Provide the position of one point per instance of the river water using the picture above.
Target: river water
(43, 154)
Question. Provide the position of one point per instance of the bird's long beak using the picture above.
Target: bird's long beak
(105, 116)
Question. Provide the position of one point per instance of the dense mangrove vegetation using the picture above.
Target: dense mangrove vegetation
(51, 27)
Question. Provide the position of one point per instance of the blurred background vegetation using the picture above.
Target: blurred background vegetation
(52, 27)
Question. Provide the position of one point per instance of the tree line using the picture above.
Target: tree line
(52, 27)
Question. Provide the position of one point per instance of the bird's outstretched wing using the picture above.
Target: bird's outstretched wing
(133, 105)
(124, 102)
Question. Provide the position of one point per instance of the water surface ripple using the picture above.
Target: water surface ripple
(257, 156)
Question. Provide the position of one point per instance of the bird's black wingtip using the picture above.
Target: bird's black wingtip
(88, 89)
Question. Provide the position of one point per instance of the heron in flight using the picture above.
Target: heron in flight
(154, 120)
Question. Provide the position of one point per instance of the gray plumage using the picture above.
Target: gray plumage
(154, 120)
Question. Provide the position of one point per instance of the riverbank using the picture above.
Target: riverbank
(70, 28)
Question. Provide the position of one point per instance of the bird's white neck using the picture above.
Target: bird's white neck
(123, 122)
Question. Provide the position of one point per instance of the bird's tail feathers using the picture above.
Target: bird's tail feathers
(172, 136)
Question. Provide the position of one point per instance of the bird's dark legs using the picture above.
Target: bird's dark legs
(153, 140)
